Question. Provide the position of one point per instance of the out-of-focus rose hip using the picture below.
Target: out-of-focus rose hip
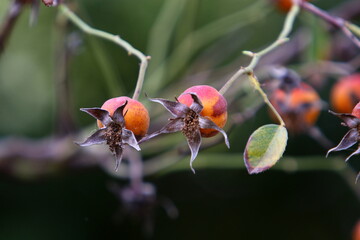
(215, 106)
(299, 107)
(356, 110)
(284, 5)
(346, 93)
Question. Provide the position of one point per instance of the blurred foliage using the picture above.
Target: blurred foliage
(196, 41)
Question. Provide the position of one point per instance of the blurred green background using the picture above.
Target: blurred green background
(190, 42)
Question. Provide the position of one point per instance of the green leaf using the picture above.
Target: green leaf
(265, 147)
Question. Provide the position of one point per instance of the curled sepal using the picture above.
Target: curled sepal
(128, 137)
(194, 142)
(196, 105)
(350, 120)
(356, 152)
(265, 147)
(357, 177)
(118, 115)
(350, 138)
(96, 138)
(207, 123)
(118, 156)
(99, 114)
(177, 109)
(175, 125)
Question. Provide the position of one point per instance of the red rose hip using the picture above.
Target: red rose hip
(136, 116)
(215, 106)
(346, 93)
(284, 5)
(299, 107)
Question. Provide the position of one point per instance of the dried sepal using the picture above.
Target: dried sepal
(98, 113)
(96, 138)
(118, 156)
(187, 120)
(175, 125)
(194, 143)
(114, 133)
(356, 152)
(177, 109)
(349, 120)
(118, 115)
(350, 138)
(128, 137)
(207, 123)
(196, 105)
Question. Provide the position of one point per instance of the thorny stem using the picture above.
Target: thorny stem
(282, 38)
(113, 38)
(340, 23)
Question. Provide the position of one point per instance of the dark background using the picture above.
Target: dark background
(318, 200)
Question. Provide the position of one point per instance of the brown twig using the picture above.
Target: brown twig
(333, 20)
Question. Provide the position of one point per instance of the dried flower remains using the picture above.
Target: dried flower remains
(114, 133)
(187, 120)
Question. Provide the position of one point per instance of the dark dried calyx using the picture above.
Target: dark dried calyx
(113, 136)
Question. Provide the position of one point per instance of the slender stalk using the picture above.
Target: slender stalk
(256, 85)
(283, 37)
(113, 38)
(340, 23)
(354, 28)
(9, 23)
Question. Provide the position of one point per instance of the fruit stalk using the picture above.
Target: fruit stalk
(256, 85)
(283, 37)
(335, 21)
(113, 38)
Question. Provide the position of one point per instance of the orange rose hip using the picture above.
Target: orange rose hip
(300, 107)
(215, 106)
(346, 93)
(136, 116)
(284, 5)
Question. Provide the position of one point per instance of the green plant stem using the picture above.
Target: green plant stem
(168, 164)
(353, 28)
(283, 37)
(340, 23)
(256, 85)
(113, 38)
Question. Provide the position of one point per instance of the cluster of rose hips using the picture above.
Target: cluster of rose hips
(200, 111)
(299, 105)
